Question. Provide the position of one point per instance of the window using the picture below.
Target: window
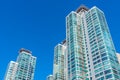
(104, 54)
(107, 71)
(105, 58)
(109, 76)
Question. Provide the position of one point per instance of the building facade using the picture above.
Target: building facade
(23, 68)
(91, 52)
(11, 71)
(75, 46)
(59, 61)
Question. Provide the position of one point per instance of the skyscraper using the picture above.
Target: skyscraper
(76, 45)
(59, 61)
(11, 71)
(24, 67)
(91, 53)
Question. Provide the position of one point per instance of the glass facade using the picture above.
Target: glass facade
(102, 50)
(11, 71)
(26, 66)
(75, 47)
(91, 53)
(23, 68)
(59, 62)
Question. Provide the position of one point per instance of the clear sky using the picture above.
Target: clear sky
(38, 25)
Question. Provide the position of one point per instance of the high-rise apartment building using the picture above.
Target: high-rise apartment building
(26, 65)
(11, 71)
(59, 61)
(76, 45)
(23, 68)
(89, 50)
(50, 77)
(91, 53)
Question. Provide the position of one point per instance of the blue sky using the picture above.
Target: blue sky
(38, 25)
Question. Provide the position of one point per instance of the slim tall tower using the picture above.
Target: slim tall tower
(23, 68)
(59, 61)
(91, 53)
(75, 45)
(11, 71)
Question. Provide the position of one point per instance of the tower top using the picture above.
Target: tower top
(81, 8)
(25, 50)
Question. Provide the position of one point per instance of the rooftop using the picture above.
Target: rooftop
(82, 7)
(25, 50)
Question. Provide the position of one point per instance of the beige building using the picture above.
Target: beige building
(118, 56)
(11, 71)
